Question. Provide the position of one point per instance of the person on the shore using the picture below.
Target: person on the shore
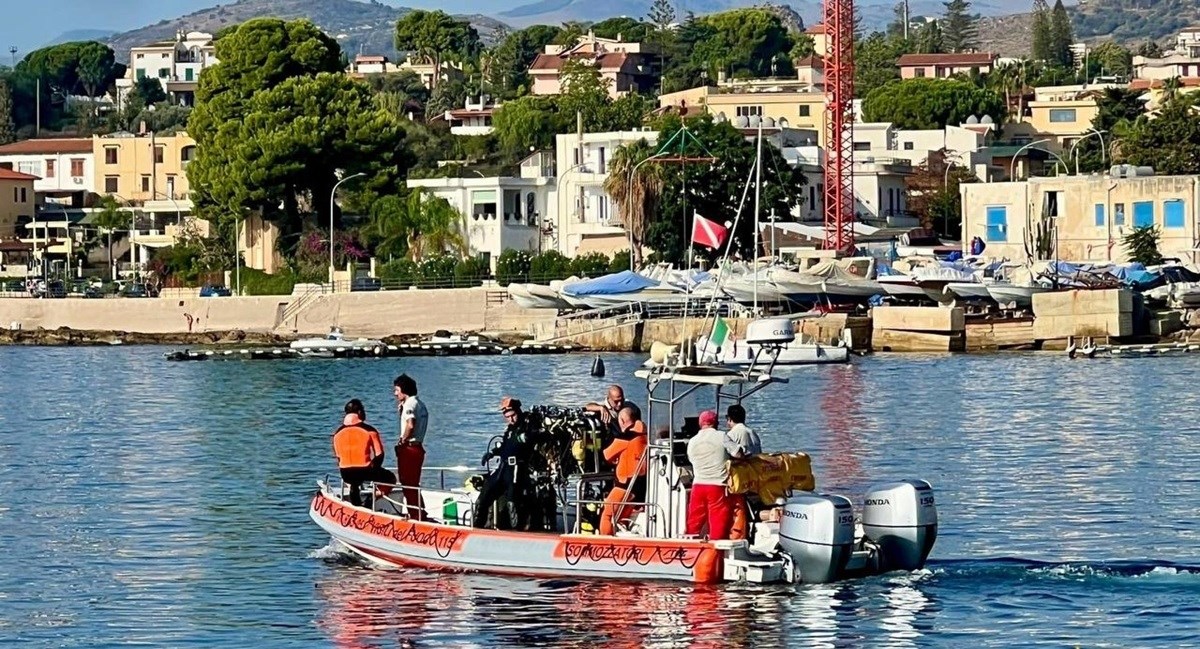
(507, 487)
(627, 452)
(410, 451)
(359, 452)
(745, 443)
(709, 506)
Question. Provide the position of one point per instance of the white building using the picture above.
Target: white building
(64, 167)
(474, 118)
(177, 65)
(500, 212)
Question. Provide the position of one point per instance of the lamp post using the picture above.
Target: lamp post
(629, 203)
(558, 195)
(332, 194)
(1090, 133)
(1012, 166)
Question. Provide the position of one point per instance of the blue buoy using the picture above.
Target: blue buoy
(598, 367)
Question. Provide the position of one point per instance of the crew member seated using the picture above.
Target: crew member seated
(506, 488)
(628, 453)
(359, 452)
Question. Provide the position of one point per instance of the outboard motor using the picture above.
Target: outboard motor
(901, 518)
(818, 532)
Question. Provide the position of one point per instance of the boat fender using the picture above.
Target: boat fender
(901, 517)
(598, 367)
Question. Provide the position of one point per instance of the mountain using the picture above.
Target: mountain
(359, 26)
(80, 35)
(1134, 21)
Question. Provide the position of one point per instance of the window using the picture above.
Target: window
(576, 154)
(1099, 215)
(908, 146)
(158, 154)
(77, 167)
(997, 224)
(24, 197)
(141, 72)
(531, 208)
(862, 146)
(141, 56)
(1062, 115)
(163, 73)
(1119, 214)
(171, 186)
(919, 73)
(483, 204)
(112, 184)
(1143, 214)
(1173, 214)
(16, 195)
(49, 168)
(749, 111)
(110, 155)
(32, 167)
(804, 110)
(145, 183)
(189, 74)
(187, 154)
(603, 165)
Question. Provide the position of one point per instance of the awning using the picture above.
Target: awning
(607, 244)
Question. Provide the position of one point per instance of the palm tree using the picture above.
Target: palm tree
(418, 226)
(635, 188)
(109, 219)
(1170, 90)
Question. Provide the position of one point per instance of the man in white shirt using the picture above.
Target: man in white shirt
(745, 439)
(709, 505)
(410, 451)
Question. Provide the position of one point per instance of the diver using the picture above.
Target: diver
(628, 453)
(359, 452)
(506, 488)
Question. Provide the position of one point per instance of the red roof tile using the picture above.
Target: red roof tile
(608, 61)
(816, 29)
(961, 59)
(47, 146)
(814, 62)
(9, 174)
(1148, 84)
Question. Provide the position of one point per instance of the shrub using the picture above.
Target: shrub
(256, 282)
(437, 271)
(512, 266)
(471, 271)
(620, 262)
(549, 266)
(593, 264)
(402, 272)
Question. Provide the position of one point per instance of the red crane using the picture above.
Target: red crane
(839, 125)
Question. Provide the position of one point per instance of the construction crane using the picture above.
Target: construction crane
(839, 125)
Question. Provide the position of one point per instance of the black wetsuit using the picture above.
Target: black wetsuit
(510, 482)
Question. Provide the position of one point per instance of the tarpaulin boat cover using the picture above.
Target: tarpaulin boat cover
(615, 284)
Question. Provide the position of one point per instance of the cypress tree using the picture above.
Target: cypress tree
(958, 27)
(7, 129)
(1061, 36)
(1041, 31)
(929, 39)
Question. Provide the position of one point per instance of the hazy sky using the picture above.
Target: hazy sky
(29, 24)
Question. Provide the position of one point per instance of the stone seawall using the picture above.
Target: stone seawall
(374, 314)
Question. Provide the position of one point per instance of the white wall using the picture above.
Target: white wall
(62, 180)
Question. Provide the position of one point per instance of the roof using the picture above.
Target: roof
(12, 245)
(39, 147)
(960, 59)
(814, 62)
(607, 61)
(816, 29)
(9, 174)
(1154, 84)
(370, 58)
(464, 113)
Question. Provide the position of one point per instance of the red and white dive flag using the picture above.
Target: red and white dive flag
(707, 233)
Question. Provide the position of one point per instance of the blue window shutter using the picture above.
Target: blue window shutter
(1143, 214)
(1173, 214)
(997, 224)
(1099, 215)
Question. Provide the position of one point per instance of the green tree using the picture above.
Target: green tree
(661, 14)
(447, 95)
(931, 103)
(418, 226)
(630, 30)
(635, 186)
(1042, 33)
(958, 27)
(585, 92)
(405, 86)
(1061, 36)
(506, 73)
(1150, 50)
(437, 37)
(527, 124)
(628, 112)
(147, 91)
(62, 67)
(896, 28)
(97, 68)
(743, 41)
(570, 33)
(803, 48)
(163, 118)
(1118, 110)
(875, 62)
(1169, 142)
(8, 131)
(930, 40)
(932, 193)
(1142, 245)
(1113, 59)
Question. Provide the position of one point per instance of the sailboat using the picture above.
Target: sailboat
(804, 350)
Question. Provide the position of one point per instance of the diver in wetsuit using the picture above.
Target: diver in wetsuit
(509, 485)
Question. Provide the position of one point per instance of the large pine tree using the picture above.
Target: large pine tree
(958, 27)
(7, 130)
(1061, 36)
(1042, 36)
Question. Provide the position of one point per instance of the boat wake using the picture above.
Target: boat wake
(1009, 567)
(335, 552)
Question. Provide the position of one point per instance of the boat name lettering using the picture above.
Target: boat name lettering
(624, 554)
(800, 515)
(872, 502)
(442, 541)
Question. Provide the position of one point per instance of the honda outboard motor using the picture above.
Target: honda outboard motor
(901, 518)
(818, 532)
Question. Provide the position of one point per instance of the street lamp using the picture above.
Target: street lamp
(1090, 133)
(1012, 165)
(558, 194)
(332, 194)
(629, 203)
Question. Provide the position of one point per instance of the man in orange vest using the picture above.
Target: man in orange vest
(627, 452)
(359, 452)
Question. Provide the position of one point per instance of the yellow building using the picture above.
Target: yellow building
(1093, 214)
(17, 203)
(789, 103)
(144, 169)
(1061, 115)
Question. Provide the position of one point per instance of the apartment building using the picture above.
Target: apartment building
(177, 65)
(626, 66)
(64, 167)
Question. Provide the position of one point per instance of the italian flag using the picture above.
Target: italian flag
(720, 333)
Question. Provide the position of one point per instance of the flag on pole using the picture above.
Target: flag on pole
(720, 333)
(707, 233)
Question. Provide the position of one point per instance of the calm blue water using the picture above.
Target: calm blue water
(151, 503)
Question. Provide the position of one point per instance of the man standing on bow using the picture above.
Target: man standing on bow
(410, 451)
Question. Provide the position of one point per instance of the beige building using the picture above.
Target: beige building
(820, 41)
(365, 65)
(626, 66)
(1093, 213)
(787, 103)
(942, 66)
(148, 170)
(1061, 115)
(17, 201)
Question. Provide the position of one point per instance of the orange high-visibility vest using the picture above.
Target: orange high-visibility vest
(355, 446)
(627, 453)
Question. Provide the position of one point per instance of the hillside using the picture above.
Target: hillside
(359, 26)
(1134, 21)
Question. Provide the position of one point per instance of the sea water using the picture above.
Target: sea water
(155, 503)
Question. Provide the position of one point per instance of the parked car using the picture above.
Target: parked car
(215, 291)
(53, 289)
(134, 290)
(366, 284)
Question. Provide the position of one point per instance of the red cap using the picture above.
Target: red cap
(708, 419)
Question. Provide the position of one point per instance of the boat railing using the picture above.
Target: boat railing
(600, 479)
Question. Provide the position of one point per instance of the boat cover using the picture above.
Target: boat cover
(771, 476)
(615, 284)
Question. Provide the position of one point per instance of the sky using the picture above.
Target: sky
(29, 25)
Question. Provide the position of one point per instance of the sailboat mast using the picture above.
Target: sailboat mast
(757, 195)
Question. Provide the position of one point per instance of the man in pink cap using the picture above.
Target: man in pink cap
(709, 506)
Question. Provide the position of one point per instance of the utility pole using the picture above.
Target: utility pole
(906, 19)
